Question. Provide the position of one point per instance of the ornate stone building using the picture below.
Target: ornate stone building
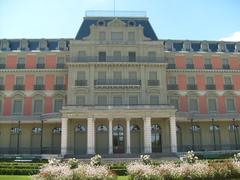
(117, 88)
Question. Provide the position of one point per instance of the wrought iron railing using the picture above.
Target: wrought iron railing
(117, 82)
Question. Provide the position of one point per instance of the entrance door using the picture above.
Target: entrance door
(80, 140)
(156, 138)
(118, 139)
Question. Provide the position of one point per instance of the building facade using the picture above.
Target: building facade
(117, 88)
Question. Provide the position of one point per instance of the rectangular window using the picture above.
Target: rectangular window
(225, 62)
(210, 80)
(81, 75)
(207, 61)
(117, 36)
(58, 103)
(132, 75)
(39, 80)
(212, 105)
(1, 81)
(102, 100)
(17, 107)
(59, 80)
(189, 61)
(102, 56)
(132, 56)
(227, 80)
(191, 80)
(2, 60)
(153, 75)
(60, 60)
(117, 100)
(131, 36)
(230, 105)
(80, 100)
(21, 60)
(174, 102)
(102, 75)
(117, 55)
(102, 36)
(40, 60)
(117, 75)
(193, 104)
(19, 80)
(172, 80)
(133, 100)
(0, 106)
(154, 100)
(152, 56)
(38, 106)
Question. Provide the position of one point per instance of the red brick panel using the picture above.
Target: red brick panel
(183, 104)
(233, 61)
(221, 104)
(219, 81)
(49, 81)
(51, 61)
(182, 81)
(180, 62)
(203, 104)
(29, 82)
(7, 107)
(31, 61)
(11, 61)
(200, 79)
(216, 62)
(48, 105)
(198, 62)
(236, 82)
(27, 106)
(9, 82)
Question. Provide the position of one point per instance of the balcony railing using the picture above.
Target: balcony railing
(2, 66)
(226, 66)
(81, 83)
(20, 66)
(40, 66)
(228, 87)
(19, 87)
(138, 59)
(208, 66)
(39, 87)
(153, 82)
(211, 87)
(171, 66)
(192, 87)
(59, 87)
(117, 82)
(190, 66)
(60, 66)
(172, 87)
(2, 87)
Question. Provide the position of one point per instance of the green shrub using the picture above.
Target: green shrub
(6, 171)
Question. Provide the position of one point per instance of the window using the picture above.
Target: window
(81, 75)
(15, 130)
(38, 106)
(117, 55)
(132, 56)
(131, 36)
(117, 75)
(58, 103)
(102, 75)
(230, 105)
(174, 102)
(1, 81)
(36, 130)
(59, 80)
(57, 130)
(102, 36)
(17, 107)
(227, 80)
(102, 128)
(189, 61)
(19, 80)
(60, 60)
(152, 75)
(0, 106)
(2, 62)
(134, 128)
(172, 80)
(210, 80)
(80, 128)
(152, 56)
(40, 60)
(191, 80)
(154, 100)
(21, 60)
(193, 104)
(212, 105)
(117, 36)
(133, 100)
(117, 100)
(207, 61)
(39, 80)
(132, 75)
(102, 56)
(102, 100)
(80, 100)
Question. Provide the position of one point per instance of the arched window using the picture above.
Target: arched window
(80, 128)
(118, 139)
(36, 130)
(134, 127)
(156, 127)
(102, 128)
(118, 128)
(57, 130)
(16, 130)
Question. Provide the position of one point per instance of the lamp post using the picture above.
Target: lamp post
(214, 137)
(192, 133)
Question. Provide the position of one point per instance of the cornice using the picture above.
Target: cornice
(32, 70)
(204, 70)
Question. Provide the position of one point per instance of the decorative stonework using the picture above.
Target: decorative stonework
(24, 45)
(204, 46)
(5, 45)
(62, 45)
(221, 47)
(43, 45)
(116, 23)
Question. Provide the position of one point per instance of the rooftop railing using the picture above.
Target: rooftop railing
(94, 13)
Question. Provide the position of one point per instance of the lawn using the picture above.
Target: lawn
(12, 177)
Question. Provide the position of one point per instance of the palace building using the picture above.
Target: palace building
(117, 88)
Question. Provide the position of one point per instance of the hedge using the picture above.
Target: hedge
(6, 171)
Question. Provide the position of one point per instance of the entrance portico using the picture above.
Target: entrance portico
(116, 126)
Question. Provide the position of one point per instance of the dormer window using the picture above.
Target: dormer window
(131, 23)
(117, 36)
(101, 23)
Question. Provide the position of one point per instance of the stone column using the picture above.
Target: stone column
(90, 135)
(110, 136)
(147, 135)
(128, 136)
(64, 136)
(173, 134)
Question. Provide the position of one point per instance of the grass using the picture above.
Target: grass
(122, 178)
(14, 177)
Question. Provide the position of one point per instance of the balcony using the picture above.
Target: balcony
(39, 87)
(226, 66)
(192, 87)
(19, 87)
(211, 87)
(190, 66)
(2, 87)
(171, 66)
(153, 82)
(20, 66)
(121, 82)
(59, 87)
(172, 87)
(208, 66)
(81, 83)
(60, 66)
(113, 59)
(40, 66)
(228, 87)
(2, 66)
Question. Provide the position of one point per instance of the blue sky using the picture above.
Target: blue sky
(171, 19)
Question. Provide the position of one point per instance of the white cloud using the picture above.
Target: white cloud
(234, 37)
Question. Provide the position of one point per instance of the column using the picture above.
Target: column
(173, 134)
(110, 140)
(90, 135)
(64, 136)
(128, 136)
(147, 135)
